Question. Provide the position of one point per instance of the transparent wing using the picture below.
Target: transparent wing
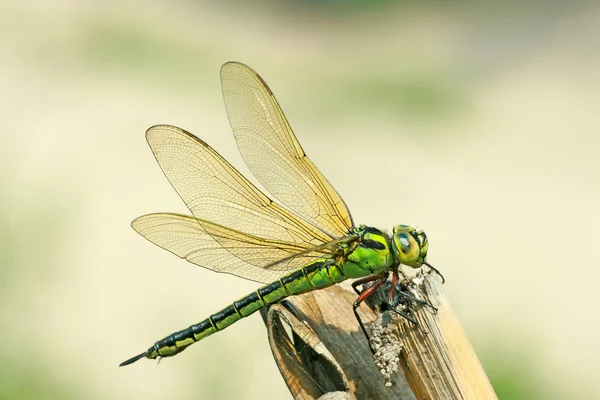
(215, 191)
(273, 153)
(226, 250)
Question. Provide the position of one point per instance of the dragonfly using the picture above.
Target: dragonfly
(310, 244)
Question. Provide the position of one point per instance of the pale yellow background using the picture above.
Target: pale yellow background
(479, 124)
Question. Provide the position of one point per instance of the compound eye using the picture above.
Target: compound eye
(403, 228)
(424, 247)
(403, 242)
(408, 249)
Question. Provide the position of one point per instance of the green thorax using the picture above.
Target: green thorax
(371, 254)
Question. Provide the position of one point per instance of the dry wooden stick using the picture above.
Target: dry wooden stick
(441, 364)
(320, 350)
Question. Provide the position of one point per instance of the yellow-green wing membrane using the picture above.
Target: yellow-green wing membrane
(226, 250)
(215, 191)
(274, 155)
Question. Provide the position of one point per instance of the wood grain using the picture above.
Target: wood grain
(322, 354)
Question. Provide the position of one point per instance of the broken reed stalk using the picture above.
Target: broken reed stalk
(322, 354)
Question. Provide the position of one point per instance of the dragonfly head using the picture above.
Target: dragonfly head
(409, 246)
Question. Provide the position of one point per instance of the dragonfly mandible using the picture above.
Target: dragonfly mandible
(310, 244)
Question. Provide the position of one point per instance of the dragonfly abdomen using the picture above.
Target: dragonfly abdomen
(316, 275)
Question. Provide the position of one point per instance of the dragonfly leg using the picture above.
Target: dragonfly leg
(408, 318)
(363, 296)
(391, 304)
(394, 284)
(364, 280)
(437, 272)
(407, 295)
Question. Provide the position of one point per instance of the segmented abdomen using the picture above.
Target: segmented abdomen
(319, 274)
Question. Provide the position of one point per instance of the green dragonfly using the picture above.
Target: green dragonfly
(237, 229)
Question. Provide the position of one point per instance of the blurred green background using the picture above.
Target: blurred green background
(477, 121)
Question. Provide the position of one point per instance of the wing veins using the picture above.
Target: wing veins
(223, 249)
(217, 192)
(263, 133)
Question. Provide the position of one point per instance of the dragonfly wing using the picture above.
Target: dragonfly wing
(274, 155)
(215, 191)
(226, 250)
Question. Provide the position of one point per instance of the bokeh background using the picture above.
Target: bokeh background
(477, 121)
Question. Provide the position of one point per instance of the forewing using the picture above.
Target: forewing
(215, 191)
(222, 249)
(274, 155)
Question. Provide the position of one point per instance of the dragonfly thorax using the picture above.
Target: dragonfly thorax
(371, 255)
(409, 246)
